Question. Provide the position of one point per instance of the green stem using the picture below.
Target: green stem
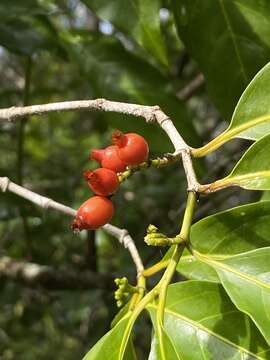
(166, 279)
(155, 268)
(136, 298)
(136, 312)
(161, 288)
(177, 253)
(188, 215)
(184, 234)
(164, 283)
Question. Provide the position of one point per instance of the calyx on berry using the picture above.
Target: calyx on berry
(93, 213)
(102, 181)
(109, 158)
(132, 148)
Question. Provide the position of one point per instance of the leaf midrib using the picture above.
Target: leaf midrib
(232, 180)
(237, 53)
(232, 270)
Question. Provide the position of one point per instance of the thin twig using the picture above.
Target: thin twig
(149, 113)
(187, 91)
(121, 234)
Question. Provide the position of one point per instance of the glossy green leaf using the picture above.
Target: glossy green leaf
(198, 322)
(230, 48)
(233, 231)
(136, 18)
(246, 278)
(251, 117)
(193, 268)
(253, 109)
(229, 232)
(121, 313)
(111, 345)
(166, 351)
(252, 171)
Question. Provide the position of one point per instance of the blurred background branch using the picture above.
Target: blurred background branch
(35, 275)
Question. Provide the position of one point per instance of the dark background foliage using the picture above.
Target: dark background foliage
(193, 58)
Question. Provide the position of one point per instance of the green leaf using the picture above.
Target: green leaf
(198, 322)
(233, 231)
(246, 278)
(121, 313)
(251, 117)
(193, 268)
(166, 351)
(111, 346)
(230, 48)
(253, 109)
(224, 234)
(252, 171)
(136, 18)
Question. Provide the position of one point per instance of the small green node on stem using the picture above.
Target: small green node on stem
(156, 238)
(158, 162)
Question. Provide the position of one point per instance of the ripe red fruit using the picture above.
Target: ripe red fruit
(93, 213)
(109, 158)
(102, 181)
(132, 148)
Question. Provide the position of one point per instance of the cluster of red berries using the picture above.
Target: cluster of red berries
(127, 150)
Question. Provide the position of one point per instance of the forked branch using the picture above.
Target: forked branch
(149, 113)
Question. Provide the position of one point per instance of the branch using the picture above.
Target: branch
(149, 113)
(187, 91)
(46, 203)
(159, 162)
(35, 275)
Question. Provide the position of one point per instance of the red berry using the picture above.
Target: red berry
(93, 213)
(102, 181)
(132, 148)
(109, 158)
